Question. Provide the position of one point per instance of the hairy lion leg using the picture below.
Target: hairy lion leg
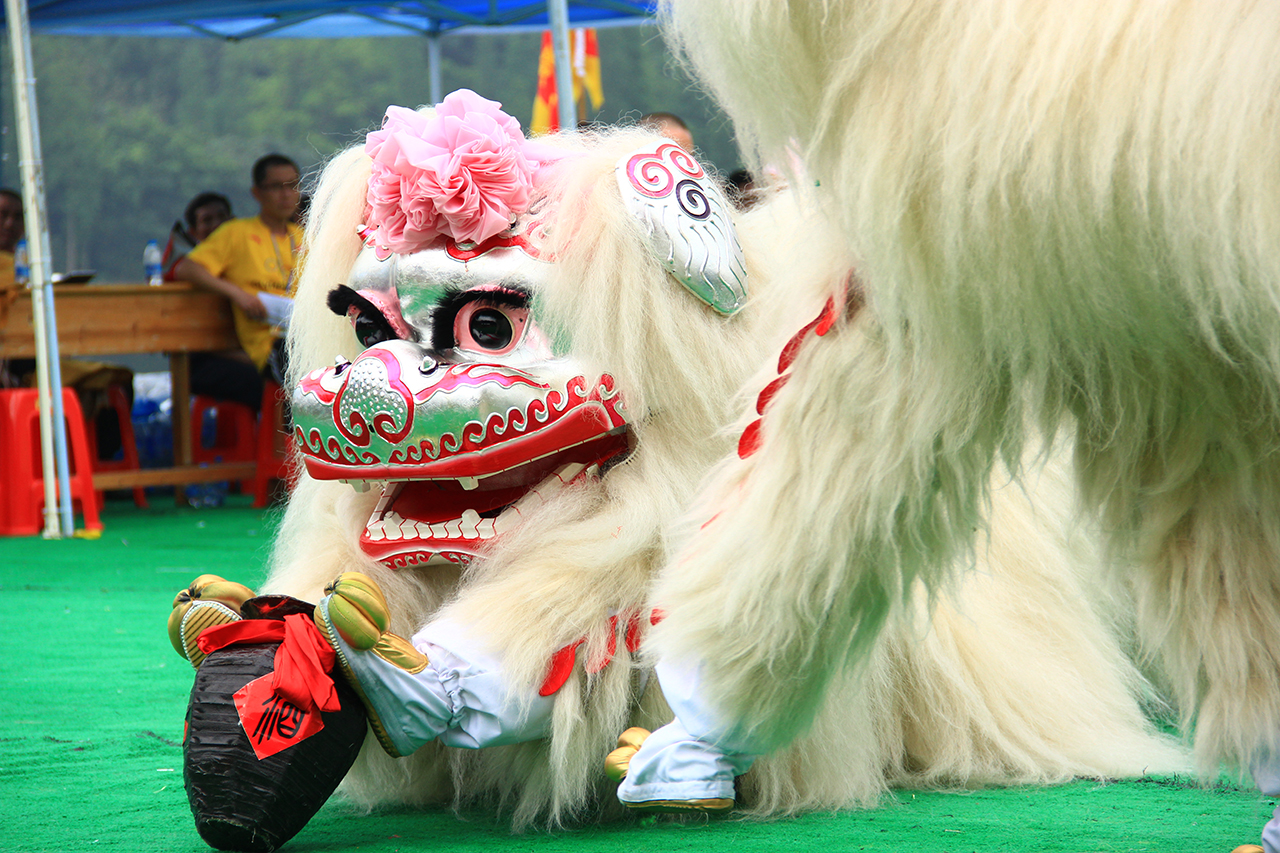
(870, 472)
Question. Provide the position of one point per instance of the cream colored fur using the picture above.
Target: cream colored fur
(935, 709)
(1067, 214)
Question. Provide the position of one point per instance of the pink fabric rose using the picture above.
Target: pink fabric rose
(460, 173)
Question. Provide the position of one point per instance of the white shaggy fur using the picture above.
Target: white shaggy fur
(932, 708)
(1066, 213)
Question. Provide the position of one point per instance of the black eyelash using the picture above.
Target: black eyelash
(342, 299)
(510, 296)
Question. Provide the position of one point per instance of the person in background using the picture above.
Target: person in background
(202, 217)
(671, 126)
(90, 379)
(223, 374)
(741, 188)
(12, 371)
(12, 228)
(304, 205)
(242, 259)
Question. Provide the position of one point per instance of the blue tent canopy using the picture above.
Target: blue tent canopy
(243, 19)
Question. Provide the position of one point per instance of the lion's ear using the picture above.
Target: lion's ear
(688, 222)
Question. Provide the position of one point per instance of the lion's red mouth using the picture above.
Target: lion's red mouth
(425, 522)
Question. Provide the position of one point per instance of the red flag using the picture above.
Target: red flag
(546, 106)
(584, 58)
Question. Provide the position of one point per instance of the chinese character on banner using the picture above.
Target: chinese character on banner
(271, 723)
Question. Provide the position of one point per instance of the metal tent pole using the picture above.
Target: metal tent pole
(53, 434)
(435, 88)
(558, 16)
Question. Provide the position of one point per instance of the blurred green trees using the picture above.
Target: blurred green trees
(132, 128)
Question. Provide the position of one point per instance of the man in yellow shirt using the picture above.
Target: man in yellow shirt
(253, 255)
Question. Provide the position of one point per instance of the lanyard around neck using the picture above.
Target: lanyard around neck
(293, 257)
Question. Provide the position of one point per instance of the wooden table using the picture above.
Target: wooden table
(111, 319)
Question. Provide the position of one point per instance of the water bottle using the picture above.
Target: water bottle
(151, 263)
(21, 269)
(217, 493)
(207, 494)
(196, 493)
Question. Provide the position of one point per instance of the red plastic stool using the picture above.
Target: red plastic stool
(119, 403)
(275, 447)
(235, 439)
(22, 495)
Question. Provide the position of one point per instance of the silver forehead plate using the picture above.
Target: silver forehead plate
(688, 221)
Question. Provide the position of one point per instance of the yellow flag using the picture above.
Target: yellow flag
(585, 60)
(546, 106)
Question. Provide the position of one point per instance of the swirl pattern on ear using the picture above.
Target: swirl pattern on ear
(688, 222)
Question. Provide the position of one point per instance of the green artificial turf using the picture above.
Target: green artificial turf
(94, 700)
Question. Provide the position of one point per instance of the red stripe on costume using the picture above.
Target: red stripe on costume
(562, 662)
(611, 648)
(751, 439)
(767, 395)
(633, 634)
(561, 667)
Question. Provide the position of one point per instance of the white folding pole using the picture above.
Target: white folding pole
(558, 16)
(53, 435)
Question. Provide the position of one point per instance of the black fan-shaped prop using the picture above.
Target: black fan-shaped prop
(242, 801)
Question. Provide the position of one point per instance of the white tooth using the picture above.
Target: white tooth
(424, 530)
(486, 528)
(391, 526)
(388, 495)
(529, 498)
(439, 531)
(360, 486)
(506, 521)
(470, 519)
(469, 483)
(454, 527)
(568, 472)
(376, 532)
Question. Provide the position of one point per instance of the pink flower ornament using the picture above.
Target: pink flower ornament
(460, 173)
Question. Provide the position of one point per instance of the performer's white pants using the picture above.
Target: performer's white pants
(1266, 774)
(695, 756)
(463, 698)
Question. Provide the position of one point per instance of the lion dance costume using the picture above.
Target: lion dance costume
(516, 360)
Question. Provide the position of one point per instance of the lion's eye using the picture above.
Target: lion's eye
(485, 327)
(490, 328)
(367, 320)
(370, 330)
